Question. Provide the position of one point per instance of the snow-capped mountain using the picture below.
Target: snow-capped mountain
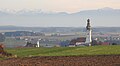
(103, 17)
(39, 11)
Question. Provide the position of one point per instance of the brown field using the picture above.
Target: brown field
(103, 60)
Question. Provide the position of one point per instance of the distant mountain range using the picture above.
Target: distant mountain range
(100, 17)
(39, 12)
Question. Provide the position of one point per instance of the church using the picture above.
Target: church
(83, 41)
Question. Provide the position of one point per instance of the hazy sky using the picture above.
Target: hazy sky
(59, 5)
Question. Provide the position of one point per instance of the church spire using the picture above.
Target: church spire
(88, 27)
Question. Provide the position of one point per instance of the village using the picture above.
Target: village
(39, 39)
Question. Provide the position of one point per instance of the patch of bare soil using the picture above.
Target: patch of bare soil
(104, 60)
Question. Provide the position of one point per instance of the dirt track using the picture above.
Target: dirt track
(112, 60)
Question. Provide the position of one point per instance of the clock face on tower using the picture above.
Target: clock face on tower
(87, 33)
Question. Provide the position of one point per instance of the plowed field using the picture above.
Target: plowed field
(103, 60)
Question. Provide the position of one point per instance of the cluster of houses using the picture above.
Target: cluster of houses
(88, 40)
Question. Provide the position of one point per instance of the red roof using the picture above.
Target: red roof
(81, 39)
(105, 43)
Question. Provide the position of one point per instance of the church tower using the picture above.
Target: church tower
(88, 33)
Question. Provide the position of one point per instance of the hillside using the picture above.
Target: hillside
(57, 29)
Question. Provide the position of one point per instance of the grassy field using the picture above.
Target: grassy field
(65, 51)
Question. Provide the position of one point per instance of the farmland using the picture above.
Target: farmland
(64, 56)
(65, 51)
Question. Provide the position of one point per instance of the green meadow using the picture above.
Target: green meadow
(65, 51)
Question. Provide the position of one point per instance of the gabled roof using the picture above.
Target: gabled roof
(80, 39)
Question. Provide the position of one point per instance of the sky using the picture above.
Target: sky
(69, 6)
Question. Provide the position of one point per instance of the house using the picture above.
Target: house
(31, 43)
(105, 43)
(77, 42)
